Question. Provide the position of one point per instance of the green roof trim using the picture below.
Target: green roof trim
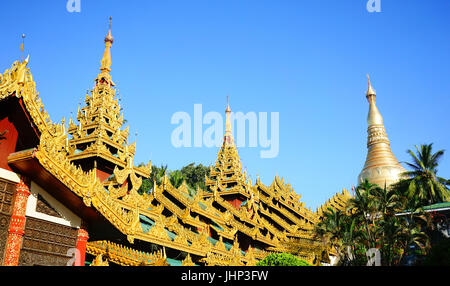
(203, 206)
(212, 240)
(146, 223)
(172, 235)
(437, 206)
(227, 245)
(433, 207)
(216, 225)
(174, 262)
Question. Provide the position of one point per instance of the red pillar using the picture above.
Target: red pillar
(17, 224)
(82, 238)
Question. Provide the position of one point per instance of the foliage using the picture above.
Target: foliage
(156, 175)
(193, 175)
(176, 178)
(282, 259)
(422, 181)
(439, 254)
(390, 220)
(369, 222)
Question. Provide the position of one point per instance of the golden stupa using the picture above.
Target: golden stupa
(381, 166)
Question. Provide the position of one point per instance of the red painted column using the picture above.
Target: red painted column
(17, 224)
(82, 238)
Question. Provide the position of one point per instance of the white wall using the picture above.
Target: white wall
(68, 217)
(8, 175)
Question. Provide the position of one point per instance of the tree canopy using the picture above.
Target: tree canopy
(282, 259)
(192, 174)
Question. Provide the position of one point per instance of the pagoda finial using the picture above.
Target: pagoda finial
(22, 44)
(374, 117)
(370, 90)
(106, 60)
(109, 37)
(228, 138)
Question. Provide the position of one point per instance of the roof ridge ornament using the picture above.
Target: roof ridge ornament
(106, 60)
(228, 138)
(109, 37)
(22, 45)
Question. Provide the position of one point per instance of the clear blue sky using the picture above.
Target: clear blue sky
(306, 60)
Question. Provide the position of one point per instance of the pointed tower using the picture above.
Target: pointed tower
(98, 140)
(226, 177)
(381, 166)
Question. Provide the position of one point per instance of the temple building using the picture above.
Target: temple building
(69, 196)
(381, 166)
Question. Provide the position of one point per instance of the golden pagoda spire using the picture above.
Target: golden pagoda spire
(22, 44)
(381, 166)
(370, 90)
(106, 60)
(228, 138)
(374, 117)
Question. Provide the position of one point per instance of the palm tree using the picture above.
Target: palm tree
(176, 178)
(387, 202)
(363, 207)
(158, 174)
(330, 230)
(338, 230)
(423, 181)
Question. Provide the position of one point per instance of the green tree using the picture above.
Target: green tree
(370, 221)
(195, 176)
(192, 174)
(282, 259)
(176, 178)
(362, 208)
(338, 230)
(422, 181)
(156, 175)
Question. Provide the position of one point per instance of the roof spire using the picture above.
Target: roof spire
(109, 37)
(22, 44)
(228, 138)
(106, 60)
(374, 117)
(370, 90)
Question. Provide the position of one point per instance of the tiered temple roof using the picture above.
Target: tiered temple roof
(231, 223)
(337, 202)
(98, 141)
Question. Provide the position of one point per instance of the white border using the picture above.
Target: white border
(68, 217)
(8, 175)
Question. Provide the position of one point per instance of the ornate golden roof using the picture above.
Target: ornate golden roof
(123, 255)
(381, 166)
(99, 131)
(337, 202)
(226, 176)
(272, 215)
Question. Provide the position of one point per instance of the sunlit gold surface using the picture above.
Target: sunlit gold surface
(381, 166)
(273, 216)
